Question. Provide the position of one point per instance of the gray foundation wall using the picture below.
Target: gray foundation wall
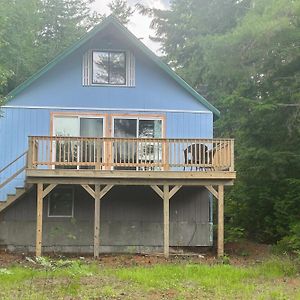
(131, 221)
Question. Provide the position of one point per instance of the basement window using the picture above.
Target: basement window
(61, 202)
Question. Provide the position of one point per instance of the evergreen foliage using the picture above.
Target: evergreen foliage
(121, 10)
(244, 57)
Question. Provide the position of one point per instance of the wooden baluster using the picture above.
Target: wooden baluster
(59, 145)
(213, 154)
(232, 156)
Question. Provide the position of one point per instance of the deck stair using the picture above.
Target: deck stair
(11, 198)
(19, 190)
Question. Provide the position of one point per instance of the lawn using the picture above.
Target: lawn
(129, 278)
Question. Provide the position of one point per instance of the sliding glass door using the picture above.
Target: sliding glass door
(79, 150)
(91, 150)
(133, 151)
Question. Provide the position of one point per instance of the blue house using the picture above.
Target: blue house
(106, 149)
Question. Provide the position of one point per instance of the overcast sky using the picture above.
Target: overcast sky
(139, 25)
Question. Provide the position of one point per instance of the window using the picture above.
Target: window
(109, 68)
(61, 202)
(77, 151)
(135, 127)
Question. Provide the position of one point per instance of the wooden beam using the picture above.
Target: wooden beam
(212, 190)
(97, 222)
(89, 190)
(174, 190)
(122, 174)
(48, 189)
(131, 182)
(166, 205)
(158, 191)
(105, 190)
(221, 221)
(39, 220)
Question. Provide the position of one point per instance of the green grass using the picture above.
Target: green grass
(277, 278)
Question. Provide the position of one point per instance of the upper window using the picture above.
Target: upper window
(109, 67)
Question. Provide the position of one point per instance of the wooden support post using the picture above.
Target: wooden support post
(220, 220)
(97, 222)
(30, 153)
(39, 220)
(166, 220)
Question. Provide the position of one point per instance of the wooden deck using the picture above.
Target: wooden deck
(98, 164)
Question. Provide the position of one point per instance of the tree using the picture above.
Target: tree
(244, 57)
(35, 31)
(121, 10)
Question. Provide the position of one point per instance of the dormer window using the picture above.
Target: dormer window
(108, 68)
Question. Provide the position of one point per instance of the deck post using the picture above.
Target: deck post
(220, 220)
(39, 220)
(166, 205)
(97, 221)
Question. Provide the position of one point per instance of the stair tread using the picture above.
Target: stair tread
(10, 198)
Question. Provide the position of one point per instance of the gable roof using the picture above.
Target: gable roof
(112, 20)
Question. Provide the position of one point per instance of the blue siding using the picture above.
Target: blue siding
(18, 123)
(62, 85)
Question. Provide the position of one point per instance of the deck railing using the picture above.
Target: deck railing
(131, 153)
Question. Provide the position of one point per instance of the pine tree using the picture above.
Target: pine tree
(121, 10)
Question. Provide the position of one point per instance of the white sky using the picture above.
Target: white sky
(139, 25)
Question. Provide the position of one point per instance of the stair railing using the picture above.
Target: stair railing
(8, 180)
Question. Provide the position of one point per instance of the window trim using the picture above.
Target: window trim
(91, 71)
(73, 202)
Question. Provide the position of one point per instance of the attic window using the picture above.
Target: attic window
(108, 68)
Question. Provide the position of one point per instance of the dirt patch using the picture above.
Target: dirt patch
(240, 254)
(7, 259)
(248, 249)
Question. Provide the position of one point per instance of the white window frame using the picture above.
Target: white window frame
(62, 216)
